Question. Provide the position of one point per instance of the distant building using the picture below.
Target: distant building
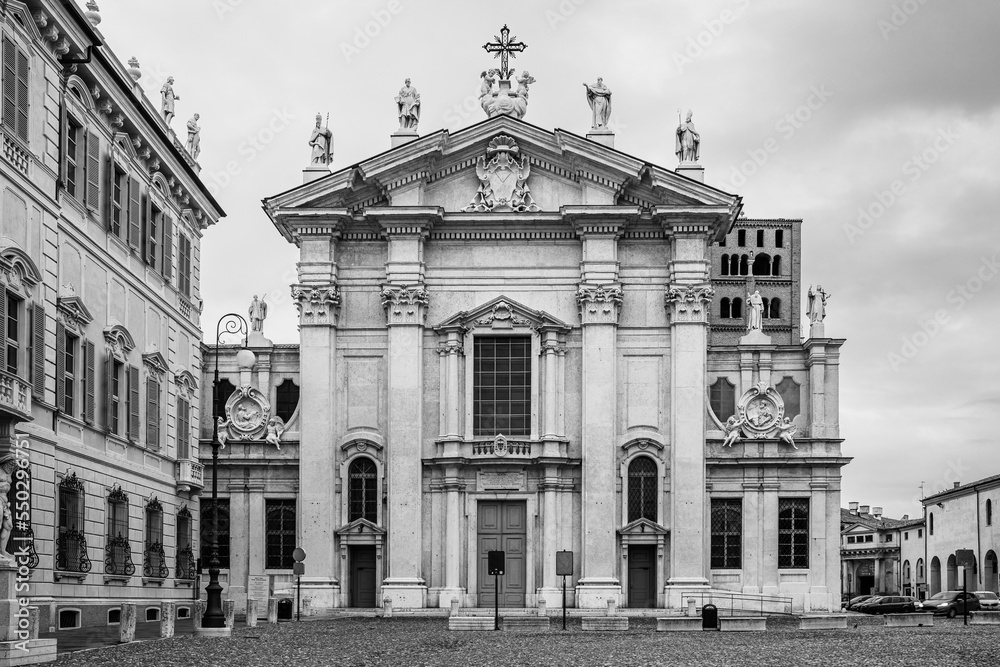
(964, 517)
(881, 555)
(100, 381)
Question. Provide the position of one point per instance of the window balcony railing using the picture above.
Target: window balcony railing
(186, 567)
(118, 557)
(501, 447)
(154, 562)
(15, 397)
(71, 552)
(190, 475)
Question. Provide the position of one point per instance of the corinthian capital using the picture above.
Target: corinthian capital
(404, 304)
(688, 303)
(318, 305)
(599, 304)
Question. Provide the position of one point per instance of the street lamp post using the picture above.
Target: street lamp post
(215, 618)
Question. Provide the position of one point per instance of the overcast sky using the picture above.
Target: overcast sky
(877, 122)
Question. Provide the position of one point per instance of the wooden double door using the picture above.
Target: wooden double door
(503, 527)
(642, 576)
(363, 576)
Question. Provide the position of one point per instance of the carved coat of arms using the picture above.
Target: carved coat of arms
(503, 181)
(759, 414)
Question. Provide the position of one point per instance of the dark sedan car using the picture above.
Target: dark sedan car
(888, 604)
(851, 605)
(950, 603)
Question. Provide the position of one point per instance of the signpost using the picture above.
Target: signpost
(966, 560)
(564, 568)
(298, 569)
(495, 561)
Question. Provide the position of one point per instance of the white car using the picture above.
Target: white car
(988, 600)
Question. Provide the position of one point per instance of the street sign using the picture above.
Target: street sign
(299, 569)
(299, 554)
(966, 558)
(564, 563)
(495, 563)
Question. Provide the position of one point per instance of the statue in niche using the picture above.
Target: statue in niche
(167, 99)
(194, 137)
(599, 99)
(321, 142)
(755, 311)
(688, 144)
(408, 108)
(817, 304)
(257, 312)
(733, 425)
(786, 432)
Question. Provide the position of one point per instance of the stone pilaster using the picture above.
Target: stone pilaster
(453, 540)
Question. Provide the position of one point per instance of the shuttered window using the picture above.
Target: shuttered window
(37, 351)
(74, 159)
(183, 429)
(168, 248)
(184, 264)
(153, 247)
(89, 382)
(133, 403)
(11, 318)
(152, 413)
(66, 370)
(118, 208)
(93, 171)
(134, 214)
(15, 89)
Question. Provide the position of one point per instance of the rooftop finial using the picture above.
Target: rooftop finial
(93, 13)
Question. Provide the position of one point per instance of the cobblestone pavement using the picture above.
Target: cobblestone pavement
(366, 642)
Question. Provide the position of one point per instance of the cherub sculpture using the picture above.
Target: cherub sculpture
(786, 431)
(223, 430)
(275, 427)
(733, 425)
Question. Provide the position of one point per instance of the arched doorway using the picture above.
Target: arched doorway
(990, 572)
(935, 576)
(952, 573)
(907, 583)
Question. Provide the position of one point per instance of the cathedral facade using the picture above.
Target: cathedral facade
(523, 340)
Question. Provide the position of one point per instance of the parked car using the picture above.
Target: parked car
(950, 603)
(988, 600)
(851, 604)
(888, 604)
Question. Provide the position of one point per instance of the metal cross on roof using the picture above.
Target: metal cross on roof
(502, 47)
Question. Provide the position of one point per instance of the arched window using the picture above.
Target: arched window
(775, 312)
(762, 264)
(287, 395)
(930, 524)
(935, 575)
(952, 573)
(920, 570)
(734, 265)
(776, 266)
(766, 311)
(363, 490)
(725, 265)
(744, 265)
(737, 310)
(760, 238)
(642, 489)
(722, 397)
(906, 572)
(724, 308)
(989, 512)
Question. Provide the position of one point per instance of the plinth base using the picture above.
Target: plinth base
(29, 652)
(553, 596)
(216, 633)
(446, 595)
(314, 171)
(405, 592)
(756, 337)
(602, 135)
(402, 137)
(594, 592)
(691, 170)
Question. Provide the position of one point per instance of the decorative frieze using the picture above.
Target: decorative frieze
(318, 305)
(405, 305)
(689, 303)
(599, 304)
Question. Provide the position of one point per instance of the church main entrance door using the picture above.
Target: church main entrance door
(362, 576)
(642, 576)
(503, 527)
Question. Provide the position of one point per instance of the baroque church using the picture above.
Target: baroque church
(522, 339)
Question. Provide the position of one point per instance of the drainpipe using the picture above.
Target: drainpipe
(979, 543)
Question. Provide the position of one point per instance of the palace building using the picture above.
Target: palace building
(102, 215)
(519, 339)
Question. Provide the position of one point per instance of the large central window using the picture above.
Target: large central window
(501, 401)
(793, 532)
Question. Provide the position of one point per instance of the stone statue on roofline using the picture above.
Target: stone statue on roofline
(817, 304)
(167, 99)
(194, 137)
(599, 99)
(688, 143)
(321, 142)
(755, 308)
(408, 108)
(257, 312)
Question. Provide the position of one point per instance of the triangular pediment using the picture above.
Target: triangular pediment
(360, 527)
(503, 313)
(440, 170)
(643, 527)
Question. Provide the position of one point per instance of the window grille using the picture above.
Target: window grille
(502, 385)
(154, 561)
(793, 532)
(642, 489)
(280, 519)
(118, 552)
(727, 533)
(71, 546)
(363, 490)
(208, 514)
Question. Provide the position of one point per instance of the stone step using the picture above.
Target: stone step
(525, 624)
(470, 623)
(914, 620)
(679, 624)
(605, 623)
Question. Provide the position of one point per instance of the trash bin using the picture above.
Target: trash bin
(709, 617)
(285, 609)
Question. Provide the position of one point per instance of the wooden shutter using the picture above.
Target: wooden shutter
(168, 247)
(60, 366)
(134, 214)
(89, 382)
(147, 217)
(109, 184)
(133, 403)
(3, 329)
(152, 413)
(38, 351)
(183, 428)
(109, 372)
(22, 95)
(93, 171)
(9, 84)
